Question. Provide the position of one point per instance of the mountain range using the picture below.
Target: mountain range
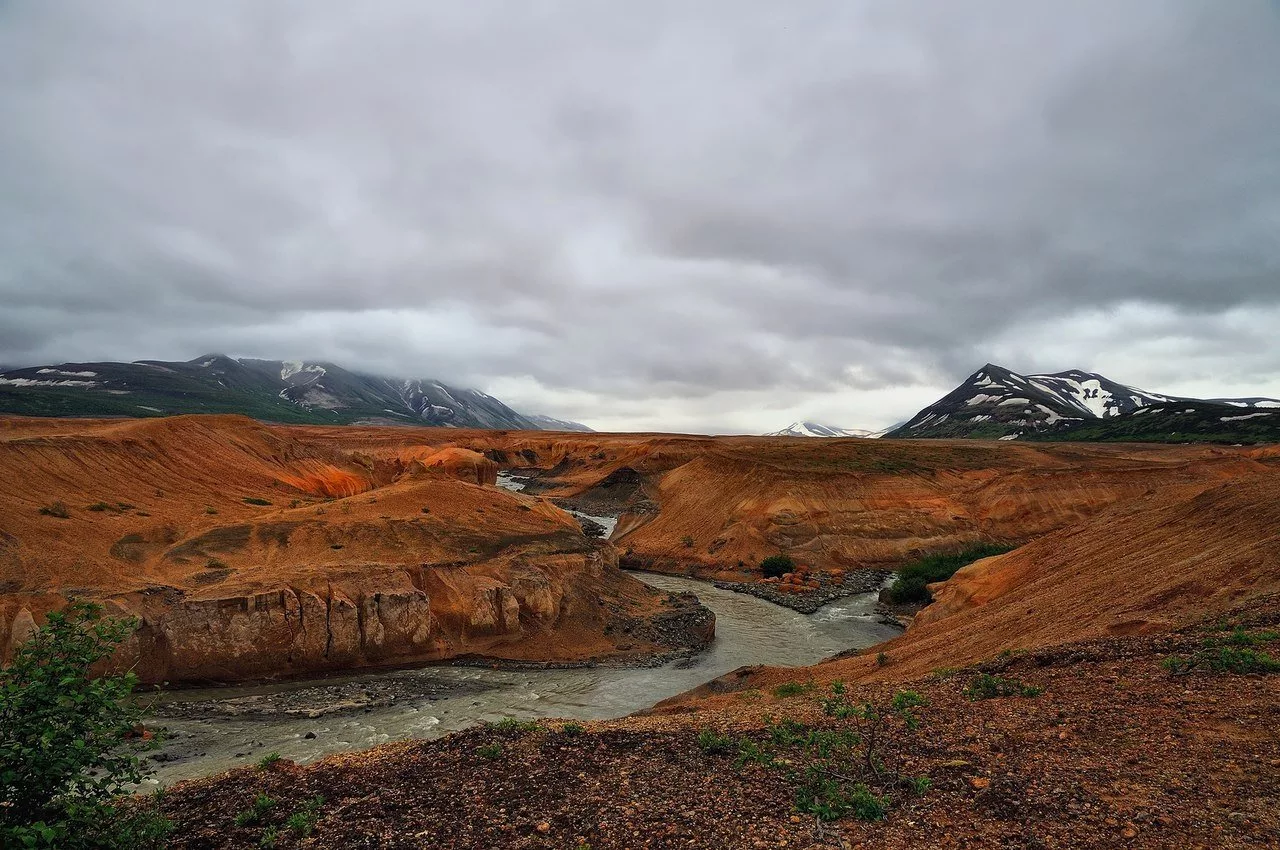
(817, 429)
(997, 403)
(271, 390)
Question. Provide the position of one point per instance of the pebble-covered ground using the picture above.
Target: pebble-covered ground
(808, 592)
(1114, 752)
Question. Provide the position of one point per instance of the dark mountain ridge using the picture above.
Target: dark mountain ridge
(289, 391)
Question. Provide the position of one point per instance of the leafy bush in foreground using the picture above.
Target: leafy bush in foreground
(910, 585)
(68, 742)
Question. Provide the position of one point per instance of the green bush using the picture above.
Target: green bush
(792, 689)
(303, 822)
(909, 587)
(58, 509)
(775, 566)
(986, 686)
(831, 799)
(713, 743)
(490, 751)
(68, 741)
(1224, 659)
(254, 500)
(256, 812)
(268, 760)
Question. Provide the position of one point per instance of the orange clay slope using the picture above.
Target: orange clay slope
(1149, 565)
(162, 522)
(354, 560)
(714, 507)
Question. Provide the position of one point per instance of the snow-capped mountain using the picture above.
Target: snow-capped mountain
(274, 390)
(817, 429)
(996, 402)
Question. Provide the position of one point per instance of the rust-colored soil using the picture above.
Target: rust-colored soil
(714, 507)
(1131, 553)
(356, 560)
(1113, 753)
(390, 545)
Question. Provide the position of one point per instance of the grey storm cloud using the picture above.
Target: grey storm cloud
(775, 205)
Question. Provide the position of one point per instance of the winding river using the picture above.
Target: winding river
(217, 729)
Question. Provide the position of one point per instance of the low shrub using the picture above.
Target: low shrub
(713, 743)
(256, 812)
(792, 689)
(837, 768)
(831, 798)
(489, 751)
(303, 822)
(254, 500)
(987, 686)
(56, 509)
(268, 760)
(776, 566)
(1224, 659)
(750, 752)
(910, 585)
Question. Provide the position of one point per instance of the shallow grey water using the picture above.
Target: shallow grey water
(748, 631)
(516, 483)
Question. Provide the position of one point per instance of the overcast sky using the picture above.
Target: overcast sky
(692, 216)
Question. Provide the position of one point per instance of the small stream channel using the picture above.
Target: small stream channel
(219, 728)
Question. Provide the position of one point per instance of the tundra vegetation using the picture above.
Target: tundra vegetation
(846, 767)
(776, 566)
(910, 585)
(1238, 652)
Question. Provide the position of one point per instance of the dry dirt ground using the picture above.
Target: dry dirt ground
(1115, 752)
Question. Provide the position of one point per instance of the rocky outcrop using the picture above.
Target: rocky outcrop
(380, 616)
(246, 551)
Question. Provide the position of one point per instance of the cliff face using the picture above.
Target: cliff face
(379, 616)
(354, 560)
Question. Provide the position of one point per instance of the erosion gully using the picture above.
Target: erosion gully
(215, 729)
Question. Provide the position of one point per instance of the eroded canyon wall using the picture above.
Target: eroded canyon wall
(249, 551)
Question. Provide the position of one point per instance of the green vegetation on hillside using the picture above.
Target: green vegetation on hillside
(842, 767)
(775, 566)
(1176, 422)
(909, 588)
(51, 401)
